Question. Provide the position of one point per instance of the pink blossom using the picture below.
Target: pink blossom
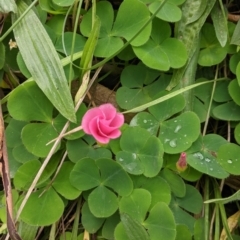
(182, 162)
(103, 123)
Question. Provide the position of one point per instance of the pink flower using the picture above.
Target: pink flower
(182, 162)
(103, 123)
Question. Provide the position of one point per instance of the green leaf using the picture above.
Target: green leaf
(237, 133)
(130, 20)
(35, 136)
(102, 202)
(8, 6)
(22, 155)
(212, 52)
(178, 134)
(136, 205)
(22, 66)
(146, 121)
(48, 208)
(153, 185)
(13, 133)
(78, 149)
(162, 52)
(28, 103)
(170, 12)
(229, 111)
(160, 227)
(168, 108)
(42, 61)
(234, 89)
(65, 42)
(110, 225)
(191, 201)
(60, 121)
(107, 44)
(2, 54)
(62, 183)
(220, 23)
(142, 152)
(63, 3)
(181, 216)
(183, 233)
(133, 91)
(85, 174)
(114, 176)
(89, 221)
(221, 94)
(236, 35)
(202, 155)
(133, 229)
(25, 174)
(229, 158)
(177, 185)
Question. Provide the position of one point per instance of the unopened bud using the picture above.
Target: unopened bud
(181, 164)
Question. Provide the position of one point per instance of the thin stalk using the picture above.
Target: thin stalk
(76, 220)
(217, 223)
(206, 209)
(17, 21)
(210, 102)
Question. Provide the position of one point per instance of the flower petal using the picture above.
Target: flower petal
(96, 133)
(118, 120)
(108, 110)
(89, 115)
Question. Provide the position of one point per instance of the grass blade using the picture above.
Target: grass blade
(42, 61)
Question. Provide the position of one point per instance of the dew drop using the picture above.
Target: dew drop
(207, 160)
(166, 140)
(120, 159)
(210, 169)
(177, 128)
(185, 135)
(175, 120)
(229, 161)
(134, 155)
(145, 121)
(198, 155)
(172, 143)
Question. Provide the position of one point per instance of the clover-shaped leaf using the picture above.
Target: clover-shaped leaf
(234, 89)
(168, 108)
(139, 87)
(89, 221)
(179, 133)
(34, 105)
(153, 185)
(141, 152)
(170, 11)
(134, 209)
(48, 208)
(212, 52)
(35, 137)
(129, 21)
(228, 157)
(203, 155)
(191, 202)
(162, 52)
(62, 184)
(136, 204)
(159, 227)
(78, 149)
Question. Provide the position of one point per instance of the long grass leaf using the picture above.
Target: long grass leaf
(42, 61)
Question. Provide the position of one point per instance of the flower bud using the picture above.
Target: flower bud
(181, 164)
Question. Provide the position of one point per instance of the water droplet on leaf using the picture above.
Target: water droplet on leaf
(177, 128)
(173, 143)
(229, 161)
